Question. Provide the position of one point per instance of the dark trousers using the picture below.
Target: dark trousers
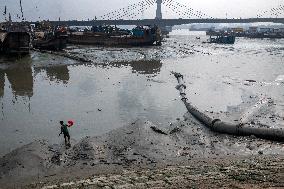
(67, 138)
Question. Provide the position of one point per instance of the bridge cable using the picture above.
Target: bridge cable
(175, 9)
(170, 5)
(133, 14)
(123, 12)
(121, 9)
(273, 11)
(127, 12)
(188, 12)
(197, 12)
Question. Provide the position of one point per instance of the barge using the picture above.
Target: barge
(139, 36)
(14, 39)
(48, 37)
(223, 39)
(50, 41)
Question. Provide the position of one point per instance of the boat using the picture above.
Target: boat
(223, 39)
(112, 36)
(212, 32)
(54, 40)
(265, 35)
(14, 39)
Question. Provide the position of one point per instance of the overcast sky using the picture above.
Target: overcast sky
(84, 9)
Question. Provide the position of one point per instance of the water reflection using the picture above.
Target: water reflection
(19, 74)
(142, 66)
(21, 80)
(56, 73)
(2, 83)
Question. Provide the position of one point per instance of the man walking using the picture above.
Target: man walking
(65, 132)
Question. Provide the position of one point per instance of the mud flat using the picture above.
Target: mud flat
(224, 82)
(185, 153)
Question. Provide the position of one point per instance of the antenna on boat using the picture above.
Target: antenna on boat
(22, 9)
(5, 12)
(10, 18)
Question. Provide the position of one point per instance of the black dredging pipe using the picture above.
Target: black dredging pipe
(241, 129)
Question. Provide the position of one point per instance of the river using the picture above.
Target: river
(121, 85)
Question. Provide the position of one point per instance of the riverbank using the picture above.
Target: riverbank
(254, 172)
(140, 146)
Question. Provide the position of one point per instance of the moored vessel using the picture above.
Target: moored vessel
(223, 39)
(48, 37)
(15, 39)
(52, 41)
(112, 36)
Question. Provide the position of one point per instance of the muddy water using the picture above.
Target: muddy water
(121, 85)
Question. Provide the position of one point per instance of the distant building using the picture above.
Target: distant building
(252, 29)
(238, 30)
(266, 30)
(276, 30)
(281, 30)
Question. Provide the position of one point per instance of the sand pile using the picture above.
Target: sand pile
(139, 145)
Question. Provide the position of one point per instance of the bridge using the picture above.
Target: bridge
(165, 22)
(186, 15)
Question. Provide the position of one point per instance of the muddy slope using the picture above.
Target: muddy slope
(140, 144)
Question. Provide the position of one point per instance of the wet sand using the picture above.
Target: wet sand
(138, 146)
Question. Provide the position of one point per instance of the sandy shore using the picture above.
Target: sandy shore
(255, 172)
(187, 147)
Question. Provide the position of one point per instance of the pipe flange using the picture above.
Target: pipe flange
(214, 121)
(184, 99)
(178, 75)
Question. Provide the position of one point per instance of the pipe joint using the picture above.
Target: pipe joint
(181, 86)
(214, 121)
(178, 75)
(184, 99)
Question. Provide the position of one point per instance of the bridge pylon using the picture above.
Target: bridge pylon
(159, 10)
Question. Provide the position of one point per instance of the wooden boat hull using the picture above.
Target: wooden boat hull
(212, 33)
(56, 43)
(15, 42)
(223, 40)
(86, 39)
